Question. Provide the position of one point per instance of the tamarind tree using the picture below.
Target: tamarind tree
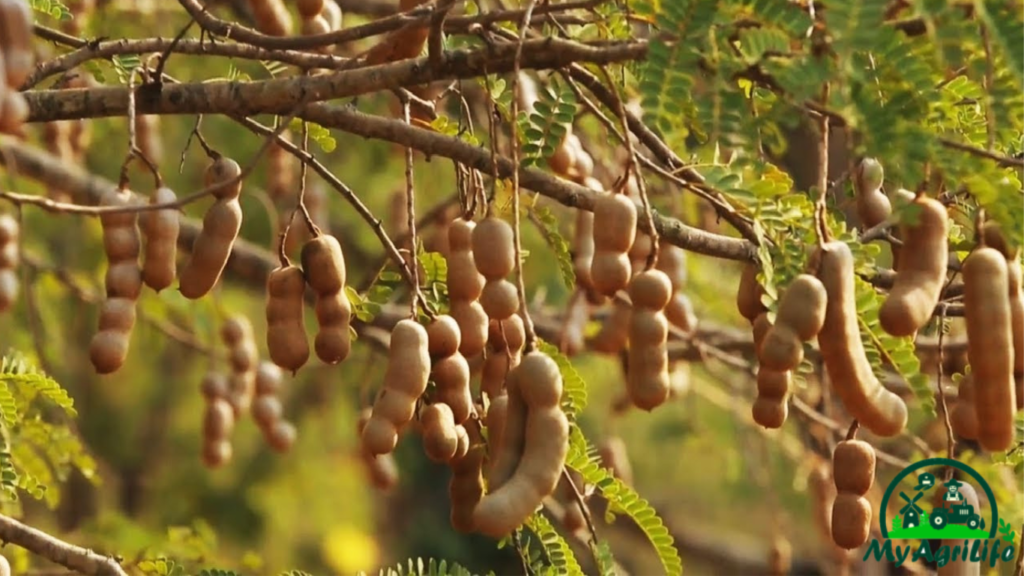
(517, 236)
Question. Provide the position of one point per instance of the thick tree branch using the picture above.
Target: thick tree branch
(67, 555)
(281, 95)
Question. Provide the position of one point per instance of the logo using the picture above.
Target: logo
(947, 511)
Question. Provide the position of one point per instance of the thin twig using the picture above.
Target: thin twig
(584, 509)
(68, 555)
(410, 207)
(950, 441)
(531, 336)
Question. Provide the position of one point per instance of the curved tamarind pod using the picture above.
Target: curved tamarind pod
(990, 345)
(382, 469)
(748, 296)
(440, 441)
(221, 225)
(800, 317)
(546, 445)
(873, 206)
(842, 350)
(405, 380)
(161, 228)
(919, 281)
(505, 456)
(506, 341)
(615, 219)
(964, 417)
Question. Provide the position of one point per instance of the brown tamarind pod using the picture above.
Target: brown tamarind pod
(873, 206)
(505, 343)
(465, 282)
(16, 42)
(324, 267)
(217, 453)
(800, 317)
(281, 436)
(407, 42)
(333, 14)
(450, 370)
(538, 382)
(272, 17)
(214, 385)
(615, 219)
(147, 136)
(853, 470)
(990, 345)
(466, 488)
(286, 331)
(218, 421)
(771, 407)
(266, 410)
(494, 256)
(679, 312)
(842, 350)
(109, 347)
(309, 8)
(405, 380)
(748, 297)
(237, 335)
(563, 158)
(9, 260)
(919, 281)
(472, 322)
(440, 441)
(268, 379)
(161, 228)
(647, 379)
(221, 225)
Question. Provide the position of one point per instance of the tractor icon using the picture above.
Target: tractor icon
(954, 510)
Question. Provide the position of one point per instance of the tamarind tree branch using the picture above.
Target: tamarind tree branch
(68, 555)
(280, 95)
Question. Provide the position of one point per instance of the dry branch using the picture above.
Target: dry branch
(68, 555)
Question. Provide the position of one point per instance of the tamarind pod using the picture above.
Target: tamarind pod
(545, 448)
(323, 264)
(286, 332)
(216, 453)
(309, 8)
(918, 285)
(13, 112)
(614, 333)
(452, 377)
(16, 46)
(647, 379)
(583, 247)
(499, 299)
(800, 317)
(610, 272)
(650, 290)
(472, 322)
(563, 159)
(211, 249)
(397, 45)
(122, 244)
(961, 566)
(583, 164)
(266, 410)
(123, 280)
(615, 219)
(647, 328)
(333, 340)
(495, 421)
(853, 466)
(990, 346)
(221, 171)
(842, 350)
(281, 436)
(109, 347)
(406, 377)
(443, 337)
(440, 441)
(268, 379)
(272, 18)
(771, 407)
(235, 331)
(9, 229)
(9, 288)
(316, 25)
(748, 296)
(615, 457)
(463, 442)
(466, 488)
(851, 520)
(494, 248)
(759, 328)
(332, 12)
(680, 314)
(161, 228)
(873, 206)
(639, 251)
(214, 385)
(993, 236)
(218, 421)
(464, 282)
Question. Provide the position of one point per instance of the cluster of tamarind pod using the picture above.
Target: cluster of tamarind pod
(17, 60)
(323, 270)
(218, 420)
(124, 231)
(10, 231)
(272, 17)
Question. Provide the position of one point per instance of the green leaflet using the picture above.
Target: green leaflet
(53, 8)
(543, 130)
(560, 555)
(574, 395)
(430, 567)
(548, 225)
(623, 499)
